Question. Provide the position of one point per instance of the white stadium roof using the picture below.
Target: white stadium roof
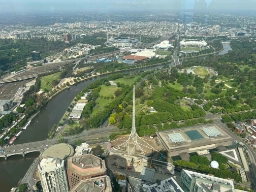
(193, 43)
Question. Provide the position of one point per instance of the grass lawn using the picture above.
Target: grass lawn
(209, 93)
(243, 67)
(190, 49)
(100, 104)
(75, 124)
(163, 52)
(201, 71)
(81, 69)
(176, 86)
(108, 91)
(138, 107)
(185, 107)
(46, 81)
(127, 81)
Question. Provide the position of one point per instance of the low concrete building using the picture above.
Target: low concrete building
(197, 182)
(147, 174)
(82, 149)
(135, 58)
(96, 184)
(5, 106)
(169, 185)
(77, 111)
(239, 128)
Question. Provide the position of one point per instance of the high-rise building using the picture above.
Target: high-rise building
(35, 55)
(84, 167)
(68, 37)
(197, 182)
(53, 175)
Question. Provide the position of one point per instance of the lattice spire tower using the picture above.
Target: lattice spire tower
(134, 142)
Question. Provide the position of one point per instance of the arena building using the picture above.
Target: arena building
(122, 42)
(193, 43)
(197, 139)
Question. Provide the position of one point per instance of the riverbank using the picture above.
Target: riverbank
(58, 128)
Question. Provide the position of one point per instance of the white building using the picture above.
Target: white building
(53, 175)
(197, 182)
(163, 45)
(83, 149)
(150, 53)
(193, 43)
(169, 185)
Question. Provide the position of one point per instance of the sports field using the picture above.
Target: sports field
(46, 81)
(200, 71)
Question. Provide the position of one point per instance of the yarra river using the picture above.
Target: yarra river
(12, 170)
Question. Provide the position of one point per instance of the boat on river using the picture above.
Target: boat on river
(25, 127)
(12, 140)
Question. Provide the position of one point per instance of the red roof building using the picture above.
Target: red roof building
(134, 57)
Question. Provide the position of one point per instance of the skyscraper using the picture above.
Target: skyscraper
(68, 37)
(53, 175)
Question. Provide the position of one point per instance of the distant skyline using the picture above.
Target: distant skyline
(51, 6)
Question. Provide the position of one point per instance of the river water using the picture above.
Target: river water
(12, 170)
(226, 48)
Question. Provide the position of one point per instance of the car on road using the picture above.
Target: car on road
(1, 151)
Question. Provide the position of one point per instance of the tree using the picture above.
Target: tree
(22, 187)
(61, 140)
(226, 118)
(78, 142)
(112, 120)
(118, 92)
(29, 102)
(219, 158)
(20, 109)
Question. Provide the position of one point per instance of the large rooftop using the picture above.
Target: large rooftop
(176, 138)
(193, 139)
(50, 164)
(209, 182)
(86, 164)
(97, 184)
(61, 151)
(211, 131)
(169, 185)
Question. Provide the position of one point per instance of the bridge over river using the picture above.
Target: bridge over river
(92, 136)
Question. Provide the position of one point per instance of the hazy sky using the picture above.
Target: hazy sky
(105, 5)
